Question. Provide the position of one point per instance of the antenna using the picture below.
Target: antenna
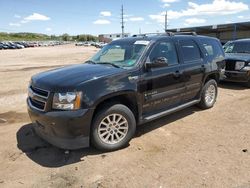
(122, 18)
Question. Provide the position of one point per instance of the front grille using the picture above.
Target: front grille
(230, 65)
(38, 98)
(40, 91)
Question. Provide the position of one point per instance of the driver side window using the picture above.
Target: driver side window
(166, 50)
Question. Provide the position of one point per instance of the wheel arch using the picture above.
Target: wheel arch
(213, 75)
(127, 98)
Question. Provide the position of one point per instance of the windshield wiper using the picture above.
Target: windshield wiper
(108, 63)
(90, 62)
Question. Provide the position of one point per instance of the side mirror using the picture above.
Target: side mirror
(157, 63)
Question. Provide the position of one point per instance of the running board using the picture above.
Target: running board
(164, 113)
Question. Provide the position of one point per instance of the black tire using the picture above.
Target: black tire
(117, 109)
(204, 104)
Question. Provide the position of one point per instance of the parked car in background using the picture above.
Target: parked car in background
(128, 82)
(79, 44)
(238, 61)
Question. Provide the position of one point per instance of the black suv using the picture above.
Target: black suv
(128, 82)
(238, 61)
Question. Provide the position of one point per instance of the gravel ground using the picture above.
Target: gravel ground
(191, 148)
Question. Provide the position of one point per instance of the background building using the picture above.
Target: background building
(109, 37)
(224, 32)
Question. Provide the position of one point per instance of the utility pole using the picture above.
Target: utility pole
(166, 21)
(122, 18)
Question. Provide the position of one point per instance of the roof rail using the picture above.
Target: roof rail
(186, 33)
(146, 34)
(166, 33)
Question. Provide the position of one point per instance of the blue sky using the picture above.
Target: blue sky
(103, 16)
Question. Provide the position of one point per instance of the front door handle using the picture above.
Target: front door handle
(177, 74)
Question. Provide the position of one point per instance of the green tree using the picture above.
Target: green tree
(65, 37)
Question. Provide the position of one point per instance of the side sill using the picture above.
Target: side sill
(164, 113)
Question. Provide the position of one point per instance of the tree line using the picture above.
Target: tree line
(41, 37)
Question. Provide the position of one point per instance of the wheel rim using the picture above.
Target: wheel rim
(210, 94)
(113, 128)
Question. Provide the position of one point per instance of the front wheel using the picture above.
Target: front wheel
(209, 94)
(113, 127)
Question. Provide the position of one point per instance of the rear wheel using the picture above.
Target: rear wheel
(113, 127)
(209, 94)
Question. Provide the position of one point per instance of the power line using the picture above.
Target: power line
(166, 21)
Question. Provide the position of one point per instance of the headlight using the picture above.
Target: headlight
(67, 101)
(239, 65)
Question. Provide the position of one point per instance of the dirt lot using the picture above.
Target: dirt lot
(190, 148)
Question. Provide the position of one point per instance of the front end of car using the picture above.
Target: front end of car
(237, 70)
(59, 118)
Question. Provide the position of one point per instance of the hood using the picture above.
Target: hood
(69, 77)
(238, 56)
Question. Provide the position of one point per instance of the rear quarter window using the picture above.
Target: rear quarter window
(190, 50)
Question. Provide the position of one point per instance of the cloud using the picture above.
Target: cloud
(105, 13)
(15, 24)
(127, 15)
(102, 22)
(37, 17)
(158, 17)
(135, 19)
(24, 21)
(190, 21)
(217, 7)
(48, 29)
(17, 16)
(166, 5)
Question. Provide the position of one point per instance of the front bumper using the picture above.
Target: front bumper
(236, 76)
(64, 129)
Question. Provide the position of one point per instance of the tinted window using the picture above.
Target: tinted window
(238, 47)
(190, 50)
(164, 49)
(212, 47)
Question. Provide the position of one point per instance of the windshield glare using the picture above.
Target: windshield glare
(238, 47)
(121, 54)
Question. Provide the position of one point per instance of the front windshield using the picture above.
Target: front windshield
(122, 54)
(238, 47)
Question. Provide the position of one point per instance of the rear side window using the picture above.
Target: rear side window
(190, 50)
(212, 48)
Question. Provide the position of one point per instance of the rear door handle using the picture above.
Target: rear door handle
(203, 68)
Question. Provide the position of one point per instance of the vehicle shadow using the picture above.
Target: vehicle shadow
(147, 127)
(47, 155)
(232, 85)
(44, 153)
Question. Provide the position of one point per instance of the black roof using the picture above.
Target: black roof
(243, 40)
